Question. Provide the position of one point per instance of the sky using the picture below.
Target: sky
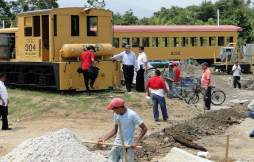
(141, 8)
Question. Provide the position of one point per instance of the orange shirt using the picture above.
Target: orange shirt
(205, 76)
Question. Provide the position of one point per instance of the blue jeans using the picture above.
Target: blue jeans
(176, 86)
(170, 88)
(251, 115)
(161, 100)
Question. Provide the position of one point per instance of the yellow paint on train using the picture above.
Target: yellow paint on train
(45, 49)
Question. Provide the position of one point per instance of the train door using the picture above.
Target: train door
(45, 38)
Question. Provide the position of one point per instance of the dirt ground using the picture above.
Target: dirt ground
(184, 122)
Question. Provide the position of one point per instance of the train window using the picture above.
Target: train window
(156, 42)
(55, 25)
(74, 25)
(175, 42)
(203, 41)
(212, 41)
(194, 41)
(165, 42)
(92, 24)
(135, 42)
(116, 42)
(184, 41)
(37, 26)
(146, 42)
(230, 39)
(221, 41)
(28, 26)
(125, 41)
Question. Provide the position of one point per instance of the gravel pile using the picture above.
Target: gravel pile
(61, 146)
(190, 70)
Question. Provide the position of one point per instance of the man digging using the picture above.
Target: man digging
(129, 119)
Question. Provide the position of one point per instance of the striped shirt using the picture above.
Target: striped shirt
(128, 59)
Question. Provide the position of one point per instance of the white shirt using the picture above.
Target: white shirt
(158, 92)
(141, 60)
(128, 59)
(251, 106)
(237, 71)
(3, 93)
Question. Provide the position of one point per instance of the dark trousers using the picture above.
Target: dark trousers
(86, 78)
(128, 72)
(236, 80)
(207, 98)
(140, 80)
(4, 113)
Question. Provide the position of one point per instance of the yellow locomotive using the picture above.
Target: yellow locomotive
(45, 49)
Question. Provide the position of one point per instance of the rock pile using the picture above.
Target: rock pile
(55, 146)
(190, 70)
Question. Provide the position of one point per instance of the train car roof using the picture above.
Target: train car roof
(49, 10)
(8, 30)
(175, 28)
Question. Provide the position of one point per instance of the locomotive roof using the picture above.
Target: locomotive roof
(175, 28)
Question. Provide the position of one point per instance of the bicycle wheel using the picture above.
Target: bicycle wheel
(191, 97)
(218, 97)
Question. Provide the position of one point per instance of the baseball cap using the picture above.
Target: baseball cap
(91, 47)
(128, 46)
(236, 61)
(116, 102)
(204, 63)
(174, 63)
(191, 57)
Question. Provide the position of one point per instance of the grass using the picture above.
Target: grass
(35, 103)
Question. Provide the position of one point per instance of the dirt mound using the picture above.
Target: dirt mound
(159, 144)
(190, 70)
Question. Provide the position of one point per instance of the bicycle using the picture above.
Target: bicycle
(217, 96)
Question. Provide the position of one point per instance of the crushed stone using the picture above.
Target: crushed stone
(190, 70)
(58, 146)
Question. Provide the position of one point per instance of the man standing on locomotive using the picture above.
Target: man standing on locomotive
(207, 85)
(86, 62)
(129, 63)
(142, 67)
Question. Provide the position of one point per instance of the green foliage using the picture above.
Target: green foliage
(242, 20)
(96, 4)
(9, 10)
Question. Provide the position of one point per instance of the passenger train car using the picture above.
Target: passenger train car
(176, 42)
(45, 49)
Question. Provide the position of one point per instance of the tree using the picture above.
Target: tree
(206, 11)
(96, 4)
(118, 19)
(242, 20)
(129, 18)
(42, 4)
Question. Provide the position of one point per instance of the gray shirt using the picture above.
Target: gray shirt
(169, 75)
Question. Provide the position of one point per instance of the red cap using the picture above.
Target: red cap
(174, 63)
(116, 102)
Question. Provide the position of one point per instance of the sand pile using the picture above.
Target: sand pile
(190, 70)
(53, 147)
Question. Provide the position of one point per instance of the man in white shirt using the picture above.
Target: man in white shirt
(129, 63)
(142, 67)
(236, 74)
(4, 102)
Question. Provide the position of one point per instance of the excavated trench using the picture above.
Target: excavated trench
(187, 133)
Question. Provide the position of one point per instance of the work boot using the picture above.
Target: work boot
(251, 135)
